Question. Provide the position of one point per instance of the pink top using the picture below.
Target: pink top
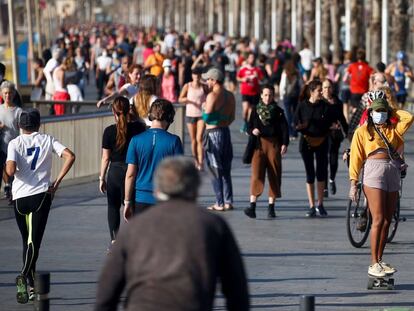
(168, 88)
(198, 96)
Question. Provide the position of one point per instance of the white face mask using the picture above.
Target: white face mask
(379, 117)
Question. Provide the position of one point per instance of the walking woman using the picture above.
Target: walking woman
(289, 90)
(268, 124)
(29, 160)
(115, 143)
(194, 96)
(148, 93)
(314, 120)
(337, 134)
(381, 173)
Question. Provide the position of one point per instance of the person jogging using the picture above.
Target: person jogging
(29, 160)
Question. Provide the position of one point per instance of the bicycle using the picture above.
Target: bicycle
(359, 220)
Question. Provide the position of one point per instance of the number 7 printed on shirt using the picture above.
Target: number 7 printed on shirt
(36, 151)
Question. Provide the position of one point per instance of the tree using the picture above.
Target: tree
(375, 32)
(325, 26)
(400, 26)
(309, 22)
(335, 31)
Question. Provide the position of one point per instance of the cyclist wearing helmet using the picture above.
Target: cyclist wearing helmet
(400, 70)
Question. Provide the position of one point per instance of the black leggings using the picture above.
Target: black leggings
(31, 217)
(309, 154)
(115, 194)
(334, 145)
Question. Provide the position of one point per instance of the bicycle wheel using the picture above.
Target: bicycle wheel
(394, 222)
(358, 220)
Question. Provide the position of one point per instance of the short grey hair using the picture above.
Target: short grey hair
(176, 177)
(8, 85)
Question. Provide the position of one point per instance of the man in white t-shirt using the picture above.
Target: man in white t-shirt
(51, 65)
(306, 57)
(29, 160)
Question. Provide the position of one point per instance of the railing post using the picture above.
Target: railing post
(42, 288)
(307, 303)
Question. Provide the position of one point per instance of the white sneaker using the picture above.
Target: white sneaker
(376, 270)
(387, 267)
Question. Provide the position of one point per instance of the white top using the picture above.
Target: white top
(306, 56)
(103, 62)
(9, 116)
(48, 70)
(33, 156)
(151, 101)
(131, 91)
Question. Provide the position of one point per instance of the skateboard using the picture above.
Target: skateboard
(386, 282)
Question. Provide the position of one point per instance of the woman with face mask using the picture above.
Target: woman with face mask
(381, 177)
(168, 90)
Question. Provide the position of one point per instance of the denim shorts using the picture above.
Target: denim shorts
(382, 174)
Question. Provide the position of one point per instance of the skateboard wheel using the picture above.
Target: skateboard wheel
(390, 285)
(370, 284)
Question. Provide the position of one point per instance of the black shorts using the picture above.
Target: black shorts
(231, 76)
(192, 120)
(356, 100)
(253, 100)
(401, 98)
(33, 203)
(345, 95)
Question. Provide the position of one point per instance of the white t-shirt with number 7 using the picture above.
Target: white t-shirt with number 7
(33, 156)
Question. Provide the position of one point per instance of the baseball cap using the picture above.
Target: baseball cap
(214, 74)
(166, 63)
(379, 103)
(400, 55)
(29, 119)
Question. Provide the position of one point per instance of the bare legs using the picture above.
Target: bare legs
(196, 136)
(382, 205)
(310, 189)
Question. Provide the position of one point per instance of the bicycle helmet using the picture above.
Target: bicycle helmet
(373, 95)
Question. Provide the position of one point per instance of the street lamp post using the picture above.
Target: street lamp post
(13, 43)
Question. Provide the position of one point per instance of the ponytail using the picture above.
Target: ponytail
(120, 108)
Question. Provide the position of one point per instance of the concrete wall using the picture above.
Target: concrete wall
(83, 135)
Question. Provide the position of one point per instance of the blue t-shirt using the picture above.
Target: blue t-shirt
(145, 151)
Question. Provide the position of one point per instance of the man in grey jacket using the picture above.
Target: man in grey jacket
(171, 256)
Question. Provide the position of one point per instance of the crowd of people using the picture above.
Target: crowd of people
(286, 96)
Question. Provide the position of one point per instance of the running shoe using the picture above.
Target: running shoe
(311, 212)
(31, 294)
(387, 267)
(325, 193)
(228, 207)
(332, 185)
(376, 270)
(321, 210)
(21, 296)
(216, 208)
(7, 192)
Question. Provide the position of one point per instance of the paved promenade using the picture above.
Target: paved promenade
(284, 258)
